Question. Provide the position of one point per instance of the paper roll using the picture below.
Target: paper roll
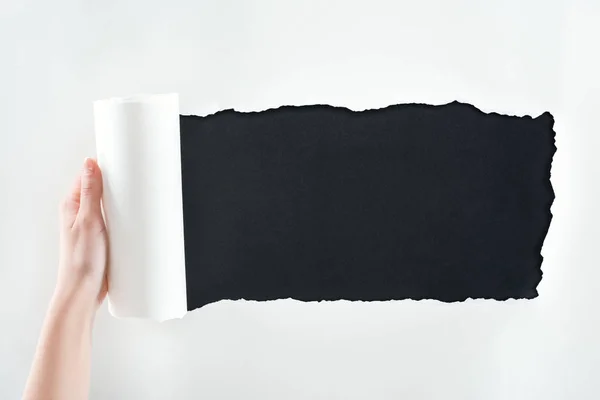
(137, 141)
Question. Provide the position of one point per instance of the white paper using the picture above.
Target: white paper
(137, 141)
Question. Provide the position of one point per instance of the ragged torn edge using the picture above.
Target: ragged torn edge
(369, 110)
(546, 119)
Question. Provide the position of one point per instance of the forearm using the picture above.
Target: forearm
(61, 368)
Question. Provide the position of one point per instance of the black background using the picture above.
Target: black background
(322, 203)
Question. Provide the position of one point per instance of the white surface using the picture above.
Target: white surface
(513, 56)
(137, 144)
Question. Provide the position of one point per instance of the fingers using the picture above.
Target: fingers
(70, 206)
(90, 191)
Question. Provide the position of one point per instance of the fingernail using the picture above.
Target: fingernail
(88, 166)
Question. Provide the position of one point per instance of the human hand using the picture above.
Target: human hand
(83, 242)
(61, 366)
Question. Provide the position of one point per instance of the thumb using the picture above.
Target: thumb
(91, 189)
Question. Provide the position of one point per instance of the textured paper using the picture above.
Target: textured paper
(138, 150)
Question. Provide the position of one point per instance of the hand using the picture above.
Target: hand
(61, 367)
(83, 242)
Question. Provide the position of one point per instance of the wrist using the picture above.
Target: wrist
(74, 300)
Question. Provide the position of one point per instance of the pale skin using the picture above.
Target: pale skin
(61, 366)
